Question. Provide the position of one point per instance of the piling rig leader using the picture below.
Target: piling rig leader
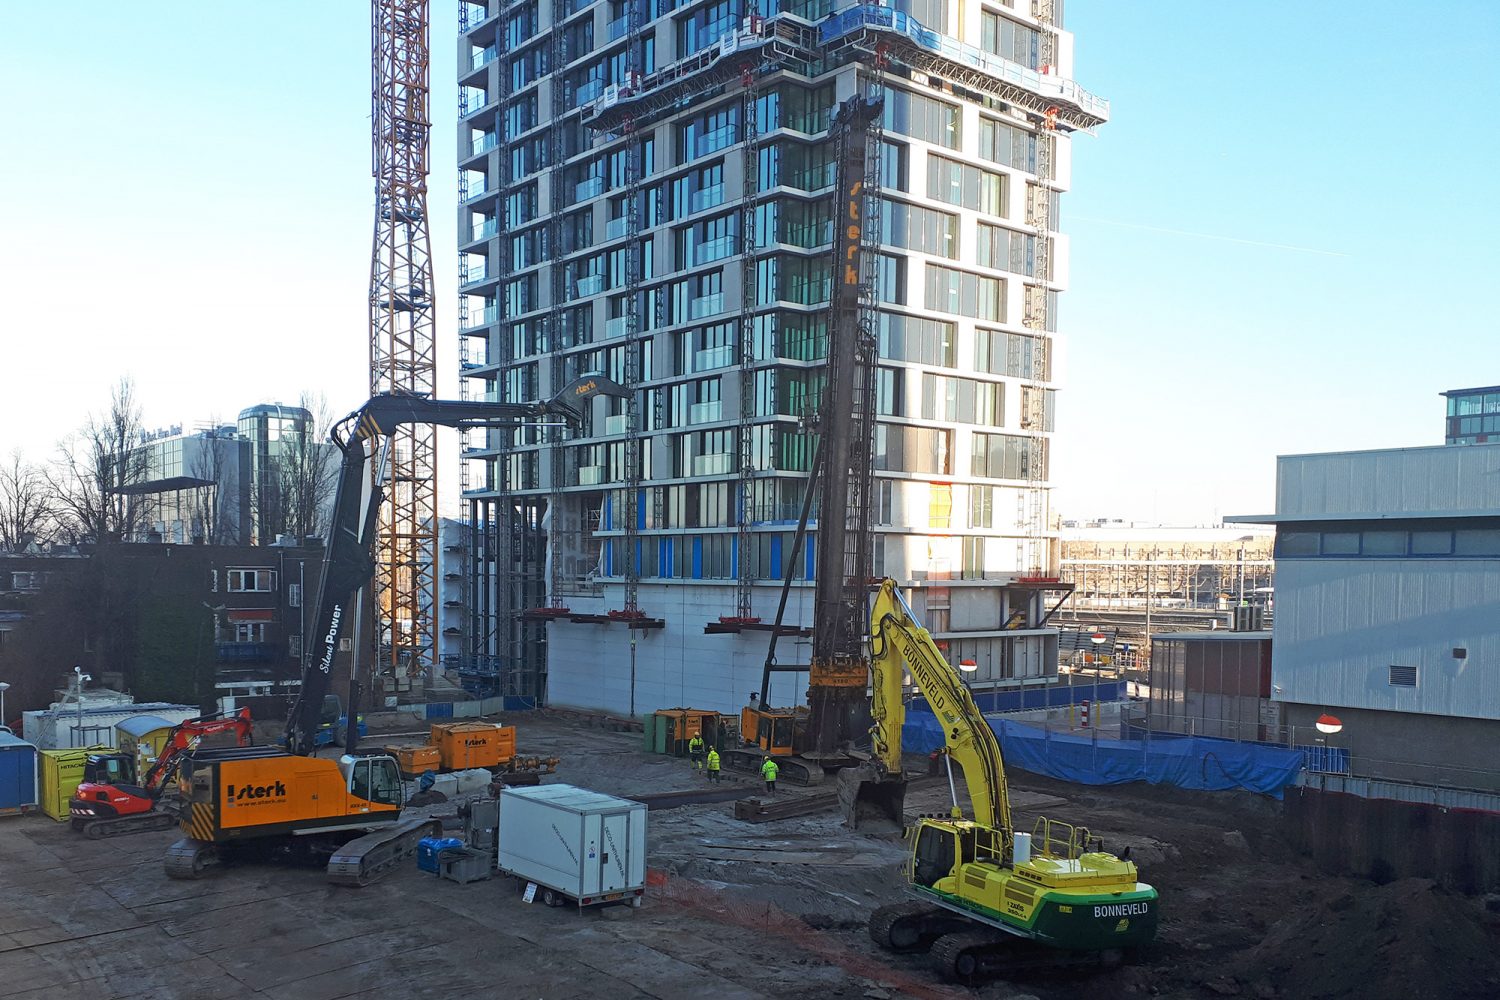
(269, 802)
(978, 885)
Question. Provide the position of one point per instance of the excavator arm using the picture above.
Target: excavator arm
(350, 559)
(186, 736)
(899, 644)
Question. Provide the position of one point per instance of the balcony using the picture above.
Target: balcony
(245, 652)
(713, 465)
(488, 316)
(713, 357)
(482, 143)
(708, 198)
(482, 57)
(586, 93)
(706, 305)
(471, 100)
(619, 28)
(616, 228)
(617, 327)
(590, 475)
(484, 231)
(706, 413)
(618, 423)
(591, 285)
(591, 188)
(706, 253)
(473, 275)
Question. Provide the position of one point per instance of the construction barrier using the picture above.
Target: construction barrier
(1196, 762)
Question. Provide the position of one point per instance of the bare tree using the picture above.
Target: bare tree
(25, 504)
(90, 482)
(307, 472)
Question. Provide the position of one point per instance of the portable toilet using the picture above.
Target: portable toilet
(17, 775)
(142, 737)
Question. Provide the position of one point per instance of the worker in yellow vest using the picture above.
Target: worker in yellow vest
(769, 770)
(713, 765)
(695, 751)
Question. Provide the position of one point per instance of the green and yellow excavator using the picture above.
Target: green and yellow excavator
(977, 884)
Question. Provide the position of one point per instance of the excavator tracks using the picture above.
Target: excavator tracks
(191, 859)
(911, 927)
(793, 770)
(365, 859)
(121, 826)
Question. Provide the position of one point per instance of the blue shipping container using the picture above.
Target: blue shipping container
(17, 774)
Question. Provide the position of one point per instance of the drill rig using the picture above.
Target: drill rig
(256, 803)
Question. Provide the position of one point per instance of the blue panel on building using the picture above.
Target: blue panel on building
(697, 558)
(440, 710)
(776, 553)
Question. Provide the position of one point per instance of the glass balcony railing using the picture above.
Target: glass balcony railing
(708, 198)
(713, 357)
(713, 250)
(591, 285)
(483, 231)
(706, 413)
(586, 93)
(591, 188)
(618, 423)
(712, 465)
(487, 316)
(707, 305)
(614, 229)
(619, 27)
(482, 143)
(617, 327)
(482, 57)
(590, 475)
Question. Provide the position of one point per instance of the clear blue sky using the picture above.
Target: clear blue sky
(188, 199)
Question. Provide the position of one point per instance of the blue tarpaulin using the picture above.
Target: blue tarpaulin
(1185, 761)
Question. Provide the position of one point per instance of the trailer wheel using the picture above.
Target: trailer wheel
(552, 897)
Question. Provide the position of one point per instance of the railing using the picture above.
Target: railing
(590, 475)
(586, 189)
(484, 231)
(483, 57)
(706, 413)
(617, 423)
(245, 652)
(591, 285)
(619, 27)
(886, 19)
(469, 276)
(616, 327)
(616, 228)
(712, 465)
(706, 253)
(487, 316)
(587, 92)
(708, 198)
(706, 305)
(713, 357)
(483, 143)
(470, 100)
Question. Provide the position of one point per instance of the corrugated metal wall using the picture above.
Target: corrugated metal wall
(1388, 483)
(1342, 623)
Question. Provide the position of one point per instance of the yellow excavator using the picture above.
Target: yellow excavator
(978, 885)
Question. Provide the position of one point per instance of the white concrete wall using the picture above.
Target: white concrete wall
(678, 666)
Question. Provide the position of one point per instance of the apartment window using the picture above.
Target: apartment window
(965, 294)
(1007, 456)
(1403, 676)
(924, 118)
(966, 185)
(252, 581)
(249, 631)
(962, 400)
(890, 398)
(1005, 250)
(940, 505)
(708, 132)
(705, 26)
(973, 557)
(982, 506)
(890, 279)
(918, 340)
(883, 502)
(1010, 39)
(1033, 400)
(917, 228)
(893, 160)
(294, 595)
(1016, 354)
(1007, 145)
(912, 449)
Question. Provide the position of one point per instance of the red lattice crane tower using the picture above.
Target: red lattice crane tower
(402, 357)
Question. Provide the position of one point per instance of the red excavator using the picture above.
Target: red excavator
(110, 803)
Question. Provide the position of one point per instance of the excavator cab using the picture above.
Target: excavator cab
(374, 779)
(109, 769)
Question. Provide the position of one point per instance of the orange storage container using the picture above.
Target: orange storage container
(415, 760)
(473, 744)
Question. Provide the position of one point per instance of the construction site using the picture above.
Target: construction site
(767, 668)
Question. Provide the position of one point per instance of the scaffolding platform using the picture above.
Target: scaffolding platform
(723, 627)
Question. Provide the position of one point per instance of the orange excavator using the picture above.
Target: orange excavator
(111, 802)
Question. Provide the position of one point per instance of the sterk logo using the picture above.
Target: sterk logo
(235, 794)
(586, 388)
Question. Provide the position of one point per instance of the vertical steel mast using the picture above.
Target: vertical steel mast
(402, 355)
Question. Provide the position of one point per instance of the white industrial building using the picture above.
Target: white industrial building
(1388, 608)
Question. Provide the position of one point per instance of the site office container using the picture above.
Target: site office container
(463, 745)
(577, 845)
(61, 772)
(18, 784)
(682, 724)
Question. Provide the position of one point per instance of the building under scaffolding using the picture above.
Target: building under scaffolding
(647, 192)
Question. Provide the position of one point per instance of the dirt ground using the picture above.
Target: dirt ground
(1241, 916)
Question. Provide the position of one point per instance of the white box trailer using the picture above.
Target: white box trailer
(577, 845)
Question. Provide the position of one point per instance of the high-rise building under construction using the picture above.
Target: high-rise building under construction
(647, 191)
